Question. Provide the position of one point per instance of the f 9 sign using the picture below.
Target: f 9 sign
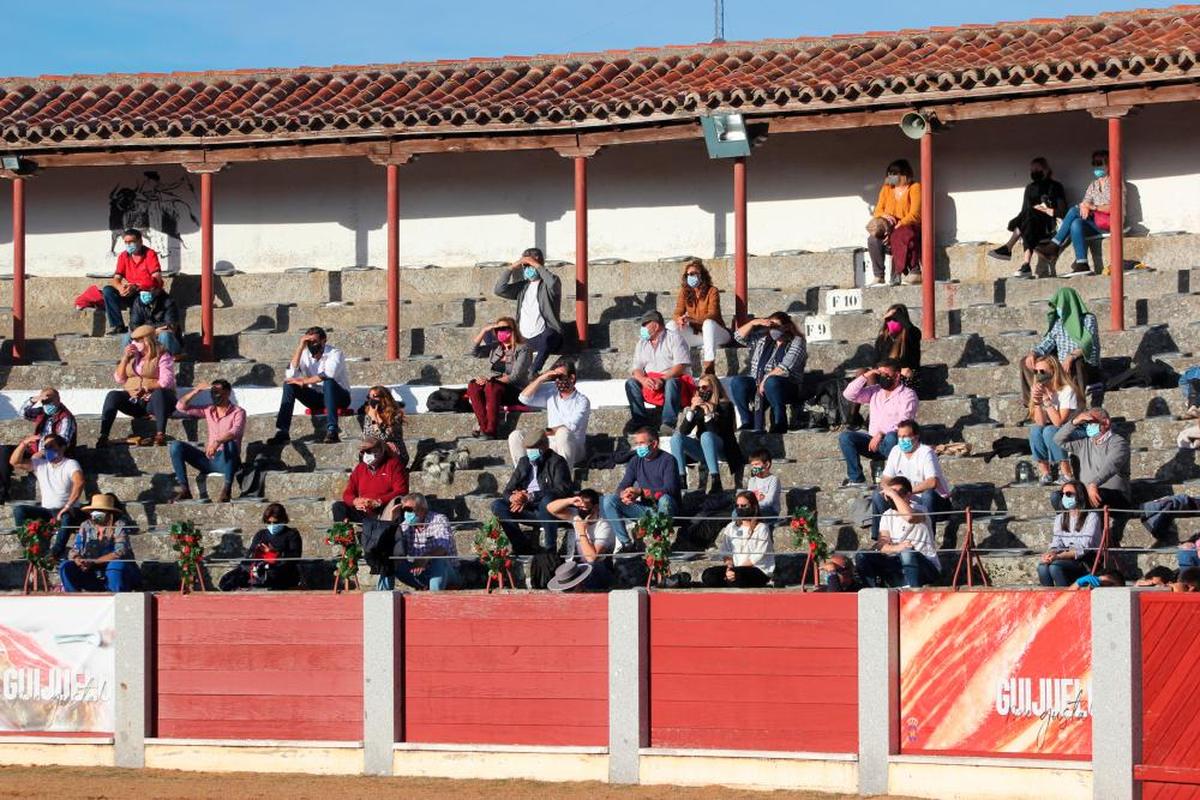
(816, 328)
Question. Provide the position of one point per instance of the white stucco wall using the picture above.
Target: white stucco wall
(808, 191)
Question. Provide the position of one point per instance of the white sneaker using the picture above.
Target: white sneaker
(872, 282)
(912, 279)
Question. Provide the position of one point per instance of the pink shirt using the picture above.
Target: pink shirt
(166, 370)
(228, 426)
(888, 409)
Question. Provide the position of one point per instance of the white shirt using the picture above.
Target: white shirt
(766, 489)
(529, 315)
(898, 529)
(753, 546)
(1066, 400)
(671, 351)
(570, 412)
(54, 480)
(600, 532)
(918, 466)
(331, 364)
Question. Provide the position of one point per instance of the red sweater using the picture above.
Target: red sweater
(385, 482)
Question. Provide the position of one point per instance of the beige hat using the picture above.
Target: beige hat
(142, 332)
(534, 438)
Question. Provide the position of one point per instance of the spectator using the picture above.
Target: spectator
(593, 537)
(706, 432)
(765, 486)
(890, 402)
(155, 307)
(1189, 385)
(1106, 579)
(567, 413)
(697, 316)
(49, 415)
(1053, 400)
(1157, 576)
(225, 423)
(899, 339)
(778, 354)
(1089, 218)
(272, 559)
(1187, 581)
(382, 418)
(906, 548)
(429, 543)
(1077, 531)
(1074, 338)
(1186, 556)
(839, 574)
(137, 269)
(538, 293)
(895, 226)
(59, 485)
(317, 377)
(1103, 458)
(148, 374)
(651, 481)
(919, 464)
(101, 557)
(660, 361)
(377, 480)
(539, 478)
(746, 548)
(1044, 200)
(511, 367)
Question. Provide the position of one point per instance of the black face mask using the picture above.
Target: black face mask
(217, 397)
(885, 381)
(563, 385)
(705, 395)
(1037, 175)
(1041, 376)
(316, 348)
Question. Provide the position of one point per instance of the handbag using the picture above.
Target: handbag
(1101, 220)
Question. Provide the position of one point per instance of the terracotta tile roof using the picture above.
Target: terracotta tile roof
(604, 89)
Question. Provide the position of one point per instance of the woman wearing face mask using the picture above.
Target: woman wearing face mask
(512, 366)
(1052, 401)
(778, 353)
(1044, 201)
(272, 557)
(895, 226)
(148, 376)
(745, 547)
(155, 307)
(1089, 218)
(101, 558)
(1073, 336)
(1077, 531)
(382, 418)
(706, 432)
(697, 316)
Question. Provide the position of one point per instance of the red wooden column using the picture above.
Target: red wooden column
(579, 155)
(18, 279)
(393, 262)
(206, 170)
(1116, 216)
(740, 246)
(928, 237)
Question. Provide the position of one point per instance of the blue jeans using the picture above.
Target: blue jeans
(616, 512)
(439, 574)
(328, 398)
(1189, 385)
(226, 462)
(1041, 442)
(1187, 558)
(875, 569)
(854, 444)
(1061, 572)
(708, 447)
(114, 303)
(508, 521)
(112, 576)
(166, 340)
(779, 392)
(930, 500)
(1078, 229)
(637, 405)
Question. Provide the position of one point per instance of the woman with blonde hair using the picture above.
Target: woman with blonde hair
(511, 362)
(147, 373)
(383, 420)
(697, 316)
(706, 433)
(1054, 398)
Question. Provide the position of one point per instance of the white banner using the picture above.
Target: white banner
(57, 664)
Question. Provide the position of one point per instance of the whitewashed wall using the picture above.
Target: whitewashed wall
(808, 191)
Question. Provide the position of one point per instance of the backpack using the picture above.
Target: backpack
(828, 406)
(541, 569)
(447, 400)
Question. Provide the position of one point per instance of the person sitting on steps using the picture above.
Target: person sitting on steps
(1044, 201)
(1077, 531)
(567, 413)
(538, 479)
(148, 374)
(660, 360)
(650, 482)
(376, 480)
(101, 556)
(48, 414)
(895, 226)
(138, 269)
(155, 307)
(225, 423)
(538, 293)
(775, 375)
(706, 433)
(511, 364)
(697, 316)
(746, 547)
(382, 418)
(316, 376)
(890, 403)
(1089, 218)
(1053, 400)
(1072, 336)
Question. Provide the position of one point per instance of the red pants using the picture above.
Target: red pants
(905, 244)
(486, 401)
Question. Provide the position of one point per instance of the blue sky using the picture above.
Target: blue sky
(137, 36)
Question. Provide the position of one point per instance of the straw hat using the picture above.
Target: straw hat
(569, 575)
(103, 502)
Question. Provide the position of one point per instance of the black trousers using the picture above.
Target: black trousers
(743, 577)
(1034, 227)
(159, 405)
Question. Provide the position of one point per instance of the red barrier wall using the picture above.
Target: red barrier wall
(1170, 630)
(506, 669)
(754, 671)
(255, 666)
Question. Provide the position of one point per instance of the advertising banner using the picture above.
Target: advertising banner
(996, 674)
(56, 664)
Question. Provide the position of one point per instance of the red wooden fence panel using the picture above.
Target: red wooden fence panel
(1170, 763)
(257, 666)
(506, 669)
(754, 671)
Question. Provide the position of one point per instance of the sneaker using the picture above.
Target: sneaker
(1049, 249)
(1063, 480)
(182, 493)
(279, 438)
(332, 438)
(1001, 253)
(1046, 480)
(872, 282)
(1080, 269)
(895, 281)
(912, 279)
(1023, 272)
(117, 330)
(847, 483)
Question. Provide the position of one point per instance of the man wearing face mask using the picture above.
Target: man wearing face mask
(567, 413)
(890, 402)
(225, 423)
(541, 476)
(156, 308)
(906, 547)
(49, 415)
(316, 376)
(920, 465)
(651, 481)
(377, 480)
(59, 484)
(660, 361)
(1103, 459)
(137, 269)
(538, 293)
(428, 541)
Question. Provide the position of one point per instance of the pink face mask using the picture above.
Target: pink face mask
(504, 337)
(893, 327)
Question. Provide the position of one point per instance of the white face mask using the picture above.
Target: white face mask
(369, 459)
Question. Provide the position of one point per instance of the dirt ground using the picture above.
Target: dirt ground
(56, 783)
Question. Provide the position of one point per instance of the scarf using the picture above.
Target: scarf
(1072, 316)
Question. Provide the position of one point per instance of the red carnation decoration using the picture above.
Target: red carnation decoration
(658, 495)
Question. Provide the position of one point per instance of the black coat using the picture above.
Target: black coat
(723, 426)
(283, 574)
(553, 475)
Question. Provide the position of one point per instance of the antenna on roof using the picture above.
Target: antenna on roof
(718, 21)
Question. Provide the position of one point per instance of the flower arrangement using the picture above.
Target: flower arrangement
(808, 539)
(495, 552)
(654, 530)
(185, 541)
(34, 539)
(342, 537)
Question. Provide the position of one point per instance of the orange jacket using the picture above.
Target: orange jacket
(707, 307)
(906, 209)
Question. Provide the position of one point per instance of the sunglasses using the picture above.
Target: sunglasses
(1068, 494)
(408, 508)
(742, 507)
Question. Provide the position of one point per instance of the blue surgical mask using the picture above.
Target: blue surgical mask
(275, 528)
(906, 444)
(50, 408)
(1099, 172)
(410, 518)
(50, 455)
(132, 249)
(1068, 501)
(1092, 429)
(642, 450)
(146, 297)
(644, 333)
(530, 273)
(533, 454)
(693, 281)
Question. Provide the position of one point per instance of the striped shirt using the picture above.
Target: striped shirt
(766, 354)
(1059, 343)
(433, 534)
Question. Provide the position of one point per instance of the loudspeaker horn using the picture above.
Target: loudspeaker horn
(914, 124)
